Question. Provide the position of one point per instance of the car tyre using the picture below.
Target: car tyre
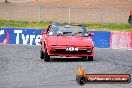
(41, 54)
(46, 56)
(90, 58)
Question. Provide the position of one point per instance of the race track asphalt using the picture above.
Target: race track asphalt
(21, 67)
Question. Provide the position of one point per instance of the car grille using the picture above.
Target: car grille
(59, 51)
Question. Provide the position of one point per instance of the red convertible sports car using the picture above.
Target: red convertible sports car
(66, 40)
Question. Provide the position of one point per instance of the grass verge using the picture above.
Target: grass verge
(44, 24)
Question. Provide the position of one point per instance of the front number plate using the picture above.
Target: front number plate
(72, 49)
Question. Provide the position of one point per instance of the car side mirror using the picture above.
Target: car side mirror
(43, 33)
(91, 34)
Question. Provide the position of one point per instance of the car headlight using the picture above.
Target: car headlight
(89, 49)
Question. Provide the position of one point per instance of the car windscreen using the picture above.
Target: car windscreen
(67, 31)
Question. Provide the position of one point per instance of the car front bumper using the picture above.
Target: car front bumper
(62, 51)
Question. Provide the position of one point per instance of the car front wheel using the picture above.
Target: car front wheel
(90, 58)
(41, 54)
(46, 56)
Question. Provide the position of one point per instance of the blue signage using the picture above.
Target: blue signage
(20, 36)
(32, 37)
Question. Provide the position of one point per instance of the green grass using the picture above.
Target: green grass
(44, 24)
(24, 24)
(110, 26)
